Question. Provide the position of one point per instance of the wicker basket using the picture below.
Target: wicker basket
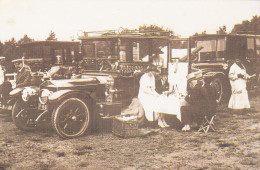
(125, 126)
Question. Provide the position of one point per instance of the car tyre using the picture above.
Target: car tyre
(71, 118)
(21, 116)
(221, 87)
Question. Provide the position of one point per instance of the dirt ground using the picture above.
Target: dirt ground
(234, 145)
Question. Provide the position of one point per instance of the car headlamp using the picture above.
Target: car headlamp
(225, 66)
(110, 82)
(44, 94)
(27, 92)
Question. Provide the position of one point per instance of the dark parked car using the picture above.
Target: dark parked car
(109, 76)
(216, 53)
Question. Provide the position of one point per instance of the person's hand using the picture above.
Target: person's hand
(249, 77)
(14, 85)
(240, 76)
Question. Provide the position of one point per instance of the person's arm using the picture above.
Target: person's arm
(26, 80)
(232, 74)
(146, 87)
(193, 97)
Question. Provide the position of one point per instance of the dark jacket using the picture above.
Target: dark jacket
(23, 77)
(202, 100)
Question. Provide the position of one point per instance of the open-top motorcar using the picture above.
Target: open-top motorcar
(110, 69)
(41, 56)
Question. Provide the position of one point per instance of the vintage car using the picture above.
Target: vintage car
(47, 59)
(216, 53)
(6, 101)
(111, 67)
(51, 53)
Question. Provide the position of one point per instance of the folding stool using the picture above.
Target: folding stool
(207, 124)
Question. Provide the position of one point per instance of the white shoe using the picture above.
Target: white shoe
(165, 124)
(160, 124)
(186, 128)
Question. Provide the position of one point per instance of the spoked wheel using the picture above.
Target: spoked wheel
(23, 117)
(218, 86)
(71, 118)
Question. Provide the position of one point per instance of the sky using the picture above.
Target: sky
(68, 18)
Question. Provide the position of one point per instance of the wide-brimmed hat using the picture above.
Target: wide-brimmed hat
(2, 58)
(152, 68)
(20, 60)
(195, 76)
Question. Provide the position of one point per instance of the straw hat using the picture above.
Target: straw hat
(152, 68)
(195, 76)
(2, 58)
(20, 60)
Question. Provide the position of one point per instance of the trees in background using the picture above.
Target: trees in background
(10, 50)
(25, 39)
(248, 27)
(52, 37)
(151, 30)
(222, 30)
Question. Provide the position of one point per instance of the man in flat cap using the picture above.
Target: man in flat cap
(24, 73)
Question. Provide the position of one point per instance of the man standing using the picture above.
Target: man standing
(24, 73)
(2, 70)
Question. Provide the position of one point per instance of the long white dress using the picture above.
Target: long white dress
(2, 75)
(170, 104)
(149, 97)
(239, 97)
(153, 103)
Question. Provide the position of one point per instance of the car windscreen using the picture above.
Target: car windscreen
(213, 50)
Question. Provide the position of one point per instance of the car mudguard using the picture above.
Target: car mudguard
(16, 91)
(213, 74)
(61, 94)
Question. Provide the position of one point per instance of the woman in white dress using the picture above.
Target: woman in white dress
(238, 78)
(149, 98)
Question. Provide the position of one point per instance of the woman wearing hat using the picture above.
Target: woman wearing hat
(238, 78)
(149, 97)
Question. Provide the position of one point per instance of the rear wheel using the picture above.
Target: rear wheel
(221, 87)
(23, 117)
(71, 118)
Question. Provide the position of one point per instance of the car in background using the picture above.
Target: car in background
(217, 52)
(42, 56)
(108, 79)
